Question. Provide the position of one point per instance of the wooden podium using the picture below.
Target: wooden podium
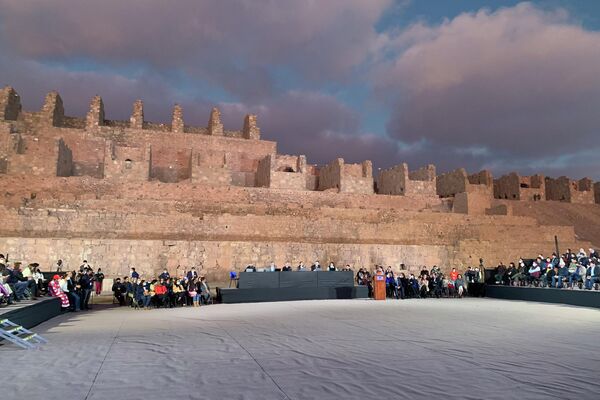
(379, 287)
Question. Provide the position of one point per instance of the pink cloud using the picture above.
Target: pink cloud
(518, 81)
(231, 43)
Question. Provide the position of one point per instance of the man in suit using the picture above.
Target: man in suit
(593, 275)
(192, 274)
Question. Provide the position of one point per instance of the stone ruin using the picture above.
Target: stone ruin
(155, 195)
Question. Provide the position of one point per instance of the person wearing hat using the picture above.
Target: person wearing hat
(56, 291)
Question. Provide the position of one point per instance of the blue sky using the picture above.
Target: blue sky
(502, 85)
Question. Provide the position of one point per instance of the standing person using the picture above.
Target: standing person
(133, 273)
(165, 275)
(86, 282)
(39, 279)
(192, 274)
(204, 290)
(59, 266)
(98, 279)
(56, 291)
(331, 266)
(84, 267)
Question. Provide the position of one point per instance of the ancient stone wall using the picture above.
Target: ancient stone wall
(330, 175)
(393, 180)
(399, 180)
(64, 163)
(357, 178)
(263, 172)
(10, 104)
(155, 195)
(249, 238)
(481, 178)
(136, 121)
(128, 163)
(507, 187)
(53, 112)
(171, 165)
(516, 187)
(95, 117)
(251, 129)
(474, 202)
(564, 189)
(451, 183)
(597, 192)
(215, 127)
(177, 125)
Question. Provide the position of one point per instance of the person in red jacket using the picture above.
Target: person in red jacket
(161, 294)
(453, 275)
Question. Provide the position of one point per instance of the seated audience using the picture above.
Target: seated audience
(56, 291)
(592, 275)
(119, 290)
(459, 285)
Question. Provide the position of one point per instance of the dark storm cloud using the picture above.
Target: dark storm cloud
(512, 89)
(316, 125)
(230, 43)
(520, 86)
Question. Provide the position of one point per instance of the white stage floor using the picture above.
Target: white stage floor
(332, 349)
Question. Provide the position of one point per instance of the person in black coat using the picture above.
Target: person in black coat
(86, 282)
(119, 290)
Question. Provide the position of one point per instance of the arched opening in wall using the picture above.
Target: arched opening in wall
(128, 163)
(514, 196)
(524, 185)
(286, 169)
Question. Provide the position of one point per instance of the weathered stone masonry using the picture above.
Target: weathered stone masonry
(155, 195)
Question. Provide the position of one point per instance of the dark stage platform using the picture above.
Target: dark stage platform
(286, 286)
(583, 298)
(29, 313)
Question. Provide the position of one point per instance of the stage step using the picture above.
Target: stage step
(20, 336)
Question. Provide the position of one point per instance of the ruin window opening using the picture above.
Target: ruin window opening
(524, 185)
(286, 169)
(128, 163)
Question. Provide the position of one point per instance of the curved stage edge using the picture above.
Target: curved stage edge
(581, 298)
(31, 313)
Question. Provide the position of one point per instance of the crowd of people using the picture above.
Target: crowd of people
(401, 285)
(19, 283)
(287, 267)
(429, 283)
(190, 289)
(570, 270)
